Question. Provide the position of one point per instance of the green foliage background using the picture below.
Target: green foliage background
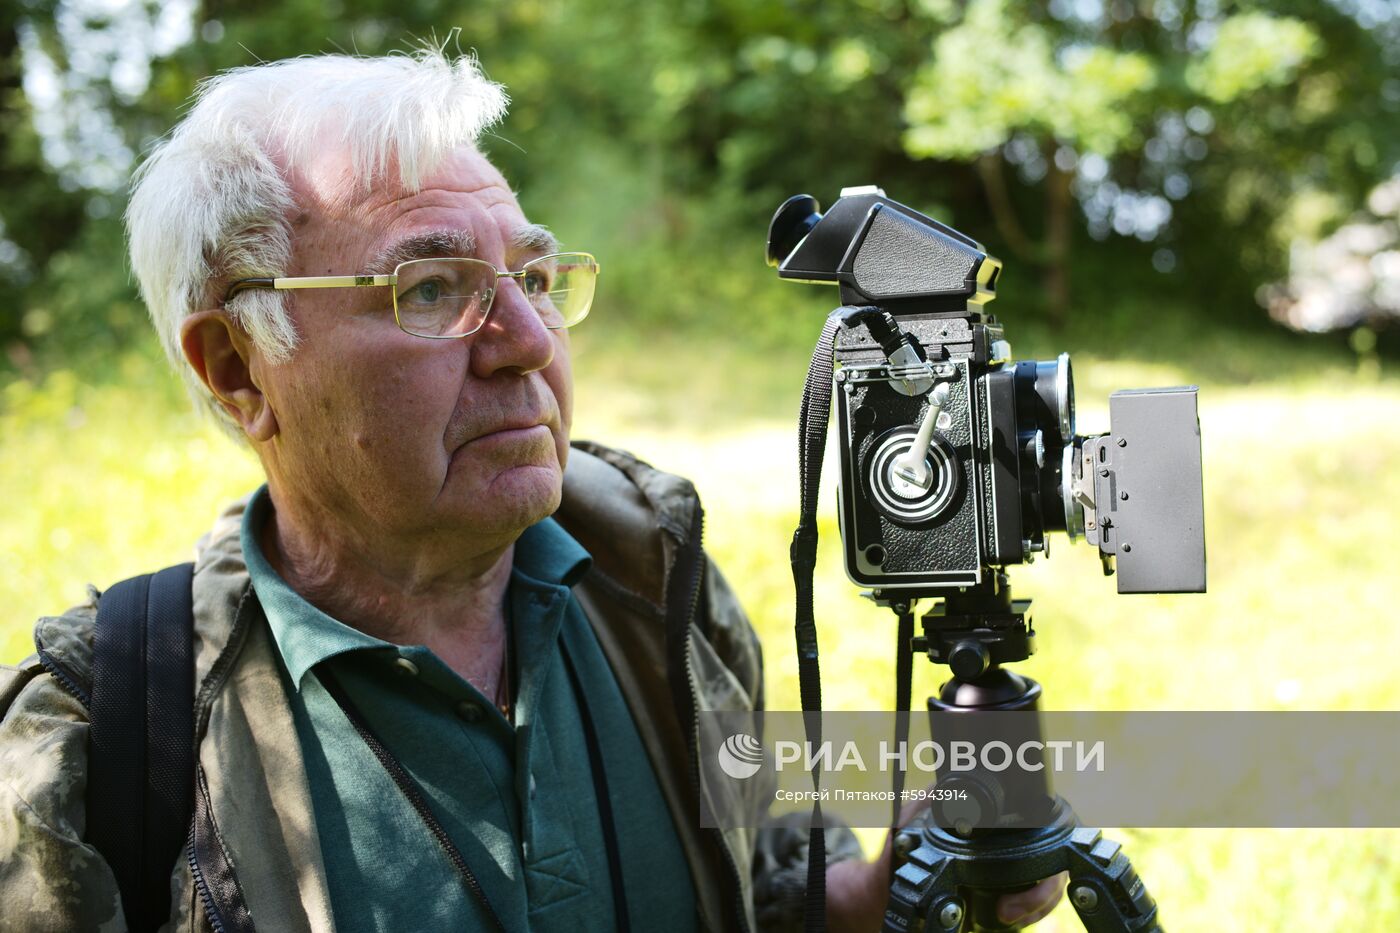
(661, 137)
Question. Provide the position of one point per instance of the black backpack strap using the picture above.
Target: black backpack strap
(141, 744)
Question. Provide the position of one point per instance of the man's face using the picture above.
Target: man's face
(403, 436)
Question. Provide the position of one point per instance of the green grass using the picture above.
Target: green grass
(104, 474)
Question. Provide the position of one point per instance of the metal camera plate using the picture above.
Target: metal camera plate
(1147, 485)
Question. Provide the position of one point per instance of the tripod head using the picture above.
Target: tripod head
(952, 868)
(973, 631)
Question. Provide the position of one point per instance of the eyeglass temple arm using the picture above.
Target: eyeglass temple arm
(354, 281)
(312, 281)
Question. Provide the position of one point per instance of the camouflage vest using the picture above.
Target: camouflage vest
(670, 627)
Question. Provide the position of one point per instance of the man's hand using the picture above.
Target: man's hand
(857, 892)
(1033, 904)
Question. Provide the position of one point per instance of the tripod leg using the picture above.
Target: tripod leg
(1105, 889)
(924, 894)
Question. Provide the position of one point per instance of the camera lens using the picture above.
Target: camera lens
(1045, 399)
(1064, 397)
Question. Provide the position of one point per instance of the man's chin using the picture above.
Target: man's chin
(514, 498)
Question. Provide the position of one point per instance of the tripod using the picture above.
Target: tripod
(949, 877)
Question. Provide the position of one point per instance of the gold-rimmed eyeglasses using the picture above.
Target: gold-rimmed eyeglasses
(450, 298)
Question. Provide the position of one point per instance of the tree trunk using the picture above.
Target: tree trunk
(1052, 254)
(1059, 202)
(989, 168)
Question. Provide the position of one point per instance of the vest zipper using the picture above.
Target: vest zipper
(211, 912)
(67, 681)
(691, 557)
(204, 701)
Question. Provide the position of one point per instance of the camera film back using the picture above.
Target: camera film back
(1148, 489)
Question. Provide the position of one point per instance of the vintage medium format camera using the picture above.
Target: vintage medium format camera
(957, 462)
(958, 459)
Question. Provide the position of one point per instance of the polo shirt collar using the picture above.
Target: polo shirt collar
(306, 636)
(549, 554)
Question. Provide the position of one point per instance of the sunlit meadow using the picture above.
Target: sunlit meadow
(103, 478)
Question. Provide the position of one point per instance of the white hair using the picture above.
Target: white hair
(212, 203)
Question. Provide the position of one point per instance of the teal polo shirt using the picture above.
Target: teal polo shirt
(518, 801)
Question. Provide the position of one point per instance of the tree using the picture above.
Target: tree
(1205, 134)
(1078, 99)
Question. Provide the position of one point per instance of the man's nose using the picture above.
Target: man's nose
(514, 336)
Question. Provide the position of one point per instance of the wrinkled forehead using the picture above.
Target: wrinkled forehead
(462, 207)
(328, 176)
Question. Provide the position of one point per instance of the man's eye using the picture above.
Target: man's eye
(428, 292)
(537, 283)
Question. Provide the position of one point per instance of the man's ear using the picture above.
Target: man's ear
(222, 355)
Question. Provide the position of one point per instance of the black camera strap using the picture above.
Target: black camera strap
(903, 700)
(811, 446)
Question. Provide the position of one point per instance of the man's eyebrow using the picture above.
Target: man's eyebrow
(534, 238)
(435, 244)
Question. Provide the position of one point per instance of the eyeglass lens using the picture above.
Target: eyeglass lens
(451, 297)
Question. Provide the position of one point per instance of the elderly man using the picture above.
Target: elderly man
(447, 665)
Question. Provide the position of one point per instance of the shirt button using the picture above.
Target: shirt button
(532, 787)
(407, 666)
(469, 711)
